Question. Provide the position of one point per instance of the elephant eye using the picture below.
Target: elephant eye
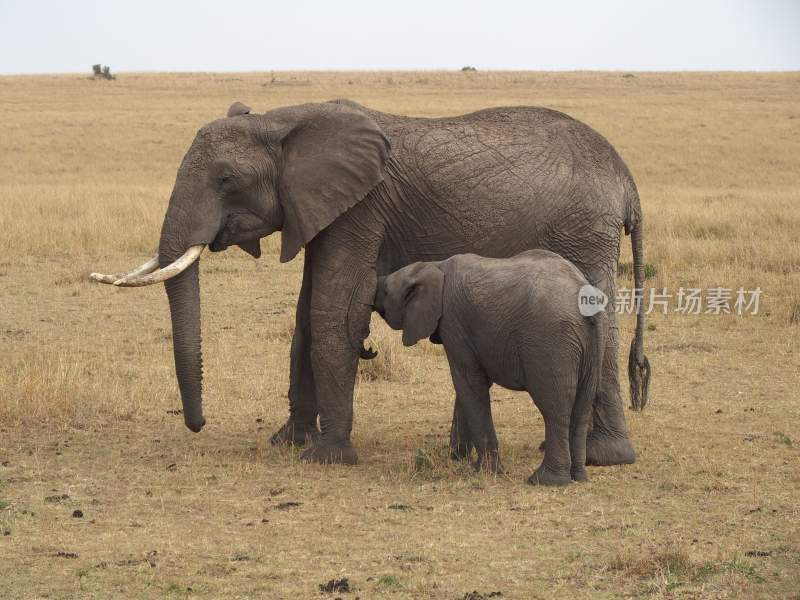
(224, 181)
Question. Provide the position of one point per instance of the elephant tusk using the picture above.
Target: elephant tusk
(148, 267)
(171, 270)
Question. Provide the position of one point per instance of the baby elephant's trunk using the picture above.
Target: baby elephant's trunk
(367, 353)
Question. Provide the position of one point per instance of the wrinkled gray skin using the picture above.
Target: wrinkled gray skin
(367, 193)
(515, 322)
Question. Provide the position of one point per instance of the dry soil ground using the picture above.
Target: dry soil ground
(87, 391)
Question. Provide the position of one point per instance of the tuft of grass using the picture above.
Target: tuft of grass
(389, 581)
(735, 565)
(283, 328)
(794, 311)
(782, 438)
(672, 567)
(625, 269)
(743, 568)
(422, 460)
(670, 562)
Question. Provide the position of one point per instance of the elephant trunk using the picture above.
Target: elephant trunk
(183, 292)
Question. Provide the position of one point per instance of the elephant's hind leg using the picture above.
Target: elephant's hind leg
(555, 468)
(608, 442)
(552, 382)
(578, 429)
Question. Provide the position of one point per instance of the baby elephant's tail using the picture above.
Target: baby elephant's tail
(592, 362)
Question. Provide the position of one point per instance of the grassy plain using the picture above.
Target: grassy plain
(709, 510)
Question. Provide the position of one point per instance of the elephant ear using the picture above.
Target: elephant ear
(332, 157)
(237, 108)
(422, 291)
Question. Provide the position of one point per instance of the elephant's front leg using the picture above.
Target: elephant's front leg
(461, 444)
(301, 427)
(343, 290)
(472, 391)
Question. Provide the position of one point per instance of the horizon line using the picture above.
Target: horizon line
(88, 72)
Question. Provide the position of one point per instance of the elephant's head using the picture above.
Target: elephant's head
(293, 169)
(411, 299)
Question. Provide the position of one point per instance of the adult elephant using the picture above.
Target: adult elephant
(366, 193)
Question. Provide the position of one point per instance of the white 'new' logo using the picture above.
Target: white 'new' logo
(591, 300)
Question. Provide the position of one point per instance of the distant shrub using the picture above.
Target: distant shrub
(468, 68)
(102, 72)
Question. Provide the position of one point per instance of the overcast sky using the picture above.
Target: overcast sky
(262, 35)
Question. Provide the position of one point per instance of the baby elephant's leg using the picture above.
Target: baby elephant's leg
(472, 391)
(578, 430)
(556, 408)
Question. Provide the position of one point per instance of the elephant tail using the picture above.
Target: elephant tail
(638, 365)
(592, 361)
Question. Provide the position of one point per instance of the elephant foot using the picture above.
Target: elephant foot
(604, 450)
(489, 462)
(545, 476)
(295, 433)
(460, 444)
(460, 450)
(579, 475)
(327, 453)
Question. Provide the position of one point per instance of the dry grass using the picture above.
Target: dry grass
(87, 392)
(389, 364)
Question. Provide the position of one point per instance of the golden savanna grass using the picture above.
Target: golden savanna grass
(87, 389)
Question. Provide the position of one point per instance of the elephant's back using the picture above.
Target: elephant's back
(536, 274)
(537, 143)
(531, 163)
(509, 307)
(531, 139)
(495, 127)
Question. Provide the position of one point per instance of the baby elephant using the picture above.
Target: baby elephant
(515, 322)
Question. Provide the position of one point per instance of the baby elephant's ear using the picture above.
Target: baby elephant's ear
(423, 302)
(237, 108)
